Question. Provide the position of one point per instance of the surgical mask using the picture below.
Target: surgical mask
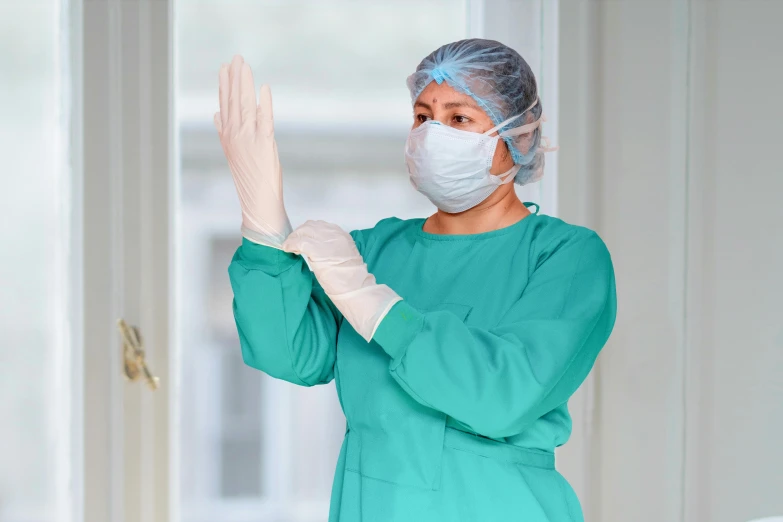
(451, 166)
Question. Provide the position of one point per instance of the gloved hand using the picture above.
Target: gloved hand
(343, 275)
(246, 133)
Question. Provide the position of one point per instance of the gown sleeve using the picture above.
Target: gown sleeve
(498, 381)
(287, 325)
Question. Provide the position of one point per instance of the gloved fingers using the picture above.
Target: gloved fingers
(297, 241)
(218, 122)
(224, 88)
(297, 244)
(302, 240)
(234, 96)
(323, 242)
(248, 97)
(322, 231)
(264, 116)
(311, 227)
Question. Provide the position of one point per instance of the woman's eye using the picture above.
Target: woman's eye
(421, 118)
(461, 119)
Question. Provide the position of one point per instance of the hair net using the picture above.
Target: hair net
(502, 84)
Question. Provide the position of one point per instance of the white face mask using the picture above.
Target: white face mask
(451, 166)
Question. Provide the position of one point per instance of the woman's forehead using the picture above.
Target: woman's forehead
(441, 94)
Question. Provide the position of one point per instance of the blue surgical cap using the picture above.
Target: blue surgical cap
(502, 84)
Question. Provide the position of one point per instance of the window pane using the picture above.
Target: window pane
(34, 439)
(254, 448)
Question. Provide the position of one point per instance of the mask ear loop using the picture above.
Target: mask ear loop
(546, 145)
(524, 129)
(506, 122)
(508, 177)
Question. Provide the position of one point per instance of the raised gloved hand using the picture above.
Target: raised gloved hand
(246, 131)
(343, 274)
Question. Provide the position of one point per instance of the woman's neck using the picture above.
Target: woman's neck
(502, 209)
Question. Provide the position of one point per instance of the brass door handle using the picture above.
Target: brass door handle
(134, 365)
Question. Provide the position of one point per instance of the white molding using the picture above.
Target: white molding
(116, 254)
(696, 484)
(172, 459)
(152, 205)
(476, 10)
(679, 49)
(125, 105)
(72, 107)
(97, 145)
(576, 203)
(549, 91)
(148, 421)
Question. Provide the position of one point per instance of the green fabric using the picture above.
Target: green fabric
(494, 334)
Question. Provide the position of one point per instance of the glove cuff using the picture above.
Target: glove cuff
(268, 238)
(366, 307)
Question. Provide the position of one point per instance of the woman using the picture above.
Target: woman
(455, 341)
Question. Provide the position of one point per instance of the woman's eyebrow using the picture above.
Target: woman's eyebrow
(422, 104)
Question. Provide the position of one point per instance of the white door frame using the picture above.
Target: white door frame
(122, 149)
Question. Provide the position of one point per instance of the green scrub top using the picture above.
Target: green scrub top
(455, 407)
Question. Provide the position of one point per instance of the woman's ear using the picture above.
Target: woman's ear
(524, 141)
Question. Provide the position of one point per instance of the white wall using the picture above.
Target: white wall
(671, 122)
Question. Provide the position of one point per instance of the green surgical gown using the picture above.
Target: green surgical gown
(456, 406)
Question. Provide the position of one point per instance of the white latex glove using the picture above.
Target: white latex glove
(246, 131)
(343, 275)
